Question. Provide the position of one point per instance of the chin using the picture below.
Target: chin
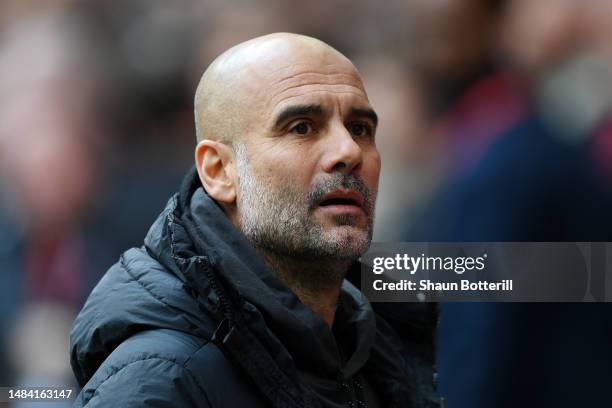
(348, 241)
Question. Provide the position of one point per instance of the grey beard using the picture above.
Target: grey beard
(280, 225)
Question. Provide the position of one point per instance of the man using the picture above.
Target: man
(238, 297)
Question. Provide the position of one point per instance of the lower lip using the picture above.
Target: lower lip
(342, 209)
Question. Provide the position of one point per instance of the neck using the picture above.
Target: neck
(316, 283)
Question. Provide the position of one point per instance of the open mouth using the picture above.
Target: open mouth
(339, 201)
(342, 200)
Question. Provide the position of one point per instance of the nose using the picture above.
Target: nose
(342, 152)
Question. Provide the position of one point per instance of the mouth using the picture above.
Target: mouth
(342, 201)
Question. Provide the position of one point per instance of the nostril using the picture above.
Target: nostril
(340, 166)
(342, 155)
(346, 166)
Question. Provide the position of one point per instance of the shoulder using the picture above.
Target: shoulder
(167, 368)
(140, 272)
(136, 294)
(149, 366)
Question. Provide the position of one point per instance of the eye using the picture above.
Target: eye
(301, 128)
(360, 129)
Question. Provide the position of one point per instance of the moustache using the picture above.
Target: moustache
(344, 181)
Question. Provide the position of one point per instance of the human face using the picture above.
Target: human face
(308, 173)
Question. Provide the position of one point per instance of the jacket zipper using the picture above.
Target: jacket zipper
(226, 308)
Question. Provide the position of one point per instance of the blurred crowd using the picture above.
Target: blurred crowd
(495, 125)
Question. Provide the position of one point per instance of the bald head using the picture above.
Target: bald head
(236, 88)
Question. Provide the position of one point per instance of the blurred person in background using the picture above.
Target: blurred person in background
(515, 112)
(88, 139)
(50, 167)
(595, 73)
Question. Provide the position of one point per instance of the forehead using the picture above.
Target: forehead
(325, 83)
(314, 79)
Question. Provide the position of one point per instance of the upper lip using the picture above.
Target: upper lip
(351, 195)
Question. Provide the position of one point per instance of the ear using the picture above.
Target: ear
(216, 167)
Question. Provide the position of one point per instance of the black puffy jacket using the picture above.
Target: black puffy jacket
(196, 319)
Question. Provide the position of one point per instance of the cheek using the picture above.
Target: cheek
(289, 167)
(371, 169)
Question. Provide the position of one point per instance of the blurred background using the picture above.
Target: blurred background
(496, 125)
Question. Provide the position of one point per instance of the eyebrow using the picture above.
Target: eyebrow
(364, 113)
(295, 111)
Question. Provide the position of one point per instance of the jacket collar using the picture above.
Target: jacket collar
(263, 326)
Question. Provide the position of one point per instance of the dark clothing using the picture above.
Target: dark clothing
(195, 318)
(526, 186)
